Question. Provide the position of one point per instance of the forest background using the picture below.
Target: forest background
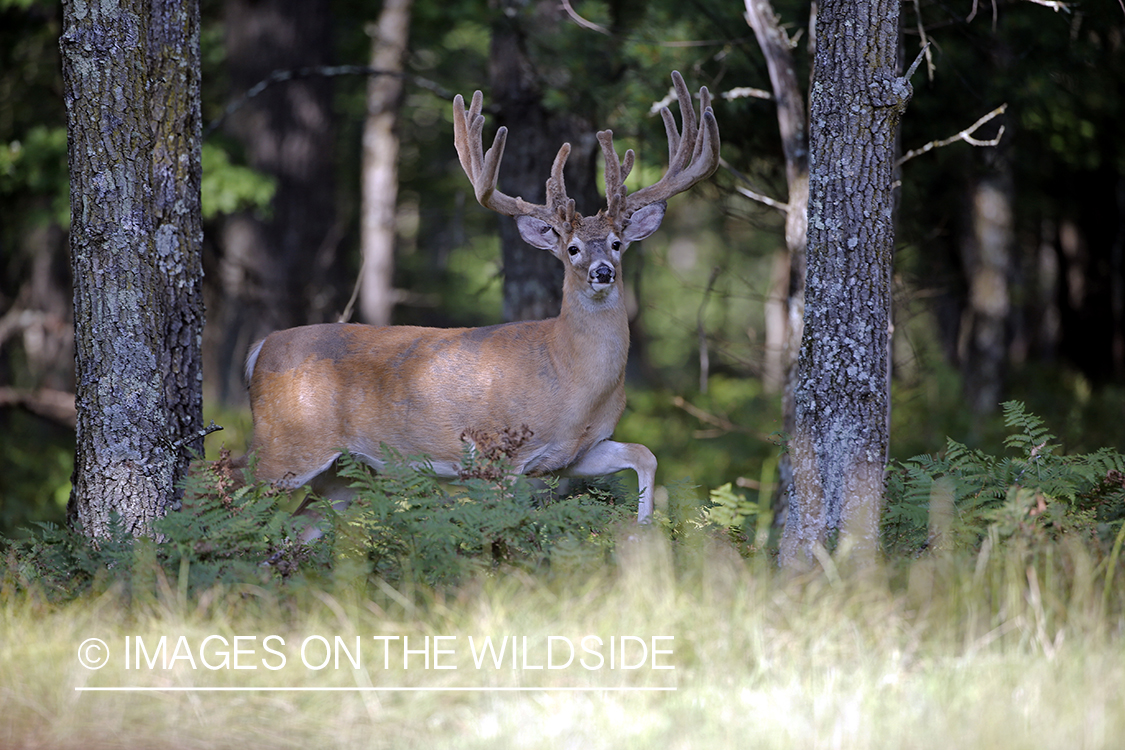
(1009, 278)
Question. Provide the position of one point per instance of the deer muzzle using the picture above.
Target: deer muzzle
(602, 274)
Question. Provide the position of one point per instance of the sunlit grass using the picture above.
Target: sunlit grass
(992, 650)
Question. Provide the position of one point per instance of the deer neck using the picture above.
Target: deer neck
(592, 336)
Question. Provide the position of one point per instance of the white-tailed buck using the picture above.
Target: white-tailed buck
(319, 390)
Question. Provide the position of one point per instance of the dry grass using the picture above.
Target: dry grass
(988, 651)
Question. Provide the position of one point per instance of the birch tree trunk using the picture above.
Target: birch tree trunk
(380, 164)
(839, 448)
(131, 78)
(987, 248)
(783, 340)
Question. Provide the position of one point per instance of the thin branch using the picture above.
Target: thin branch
(349, 308)
(177, 444)
(722, 423)
(582, 21)
(754, 196)
(924, 52)
(58, 406)
(925, 46)
(323, 71)
(965, 135)
(739, 92)
(763, 199)
(1053, 5)
(746, 92)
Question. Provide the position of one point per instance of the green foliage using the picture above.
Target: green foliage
(708, 439)
(1036, 495)
(410, 526)
(35, 164)
(228, 188)
(403, 526)
(746, 521)
(36, 461)
(221, 534)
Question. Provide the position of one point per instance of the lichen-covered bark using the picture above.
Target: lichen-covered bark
(839, 446)
(131, 76)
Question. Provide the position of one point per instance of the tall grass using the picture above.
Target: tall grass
(1007, 647)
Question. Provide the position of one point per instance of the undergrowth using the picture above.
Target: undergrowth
(407, 527)
(404, 526)
(1029, 497)
(1032, 495)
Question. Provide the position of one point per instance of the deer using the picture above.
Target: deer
(319, 390)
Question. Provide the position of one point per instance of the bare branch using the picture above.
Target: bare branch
(723, 424)
(58, 406)
(324, 71)
(925, 48)
(752, 195)
(177, 444)
(739, 92)
(763, 199)
(965, 135)
(746, 92)
(582, 21)
(1053, 5)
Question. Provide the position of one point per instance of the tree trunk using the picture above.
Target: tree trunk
(987, 255)
(275, 268)
(839, 447)
(783, 340)
(131, 78)
(533, 278)
(380, 163)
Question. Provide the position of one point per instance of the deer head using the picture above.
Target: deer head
(591, 246)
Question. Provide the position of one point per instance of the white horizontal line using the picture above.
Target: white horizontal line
(369, 689)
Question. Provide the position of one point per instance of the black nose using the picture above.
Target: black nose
(602, 274)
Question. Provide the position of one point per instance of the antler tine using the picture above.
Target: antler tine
(685, 145)
(692, 156)
(557, 202)
(483, 167)
(616, 173)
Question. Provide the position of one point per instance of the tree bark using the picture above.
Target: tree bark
(380, 163)
(533, 278)
(839, 448)
(131, 78)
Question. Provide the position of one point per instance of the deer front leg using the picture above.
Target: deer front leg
(609, 456)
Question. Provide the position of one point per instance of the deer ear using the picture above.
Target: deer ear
(537, 232)
(644, 222)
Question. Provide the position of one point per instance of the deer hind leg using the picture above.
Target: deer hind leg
(326, 485)
(608, 457)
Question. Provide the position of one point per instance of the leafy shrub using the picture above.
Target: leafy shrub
(1036, 495)
(404, 525)
(223, 532)
(746, 522)
(410, 525)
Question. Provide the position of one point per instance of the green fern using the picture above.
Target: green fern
(1036, 494)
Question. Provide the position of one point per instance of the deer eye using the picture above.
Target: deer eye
(573, 250)
(616, 245)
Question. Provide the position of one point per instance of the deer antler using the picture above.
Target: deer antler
(483, 168)
(692, 157)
